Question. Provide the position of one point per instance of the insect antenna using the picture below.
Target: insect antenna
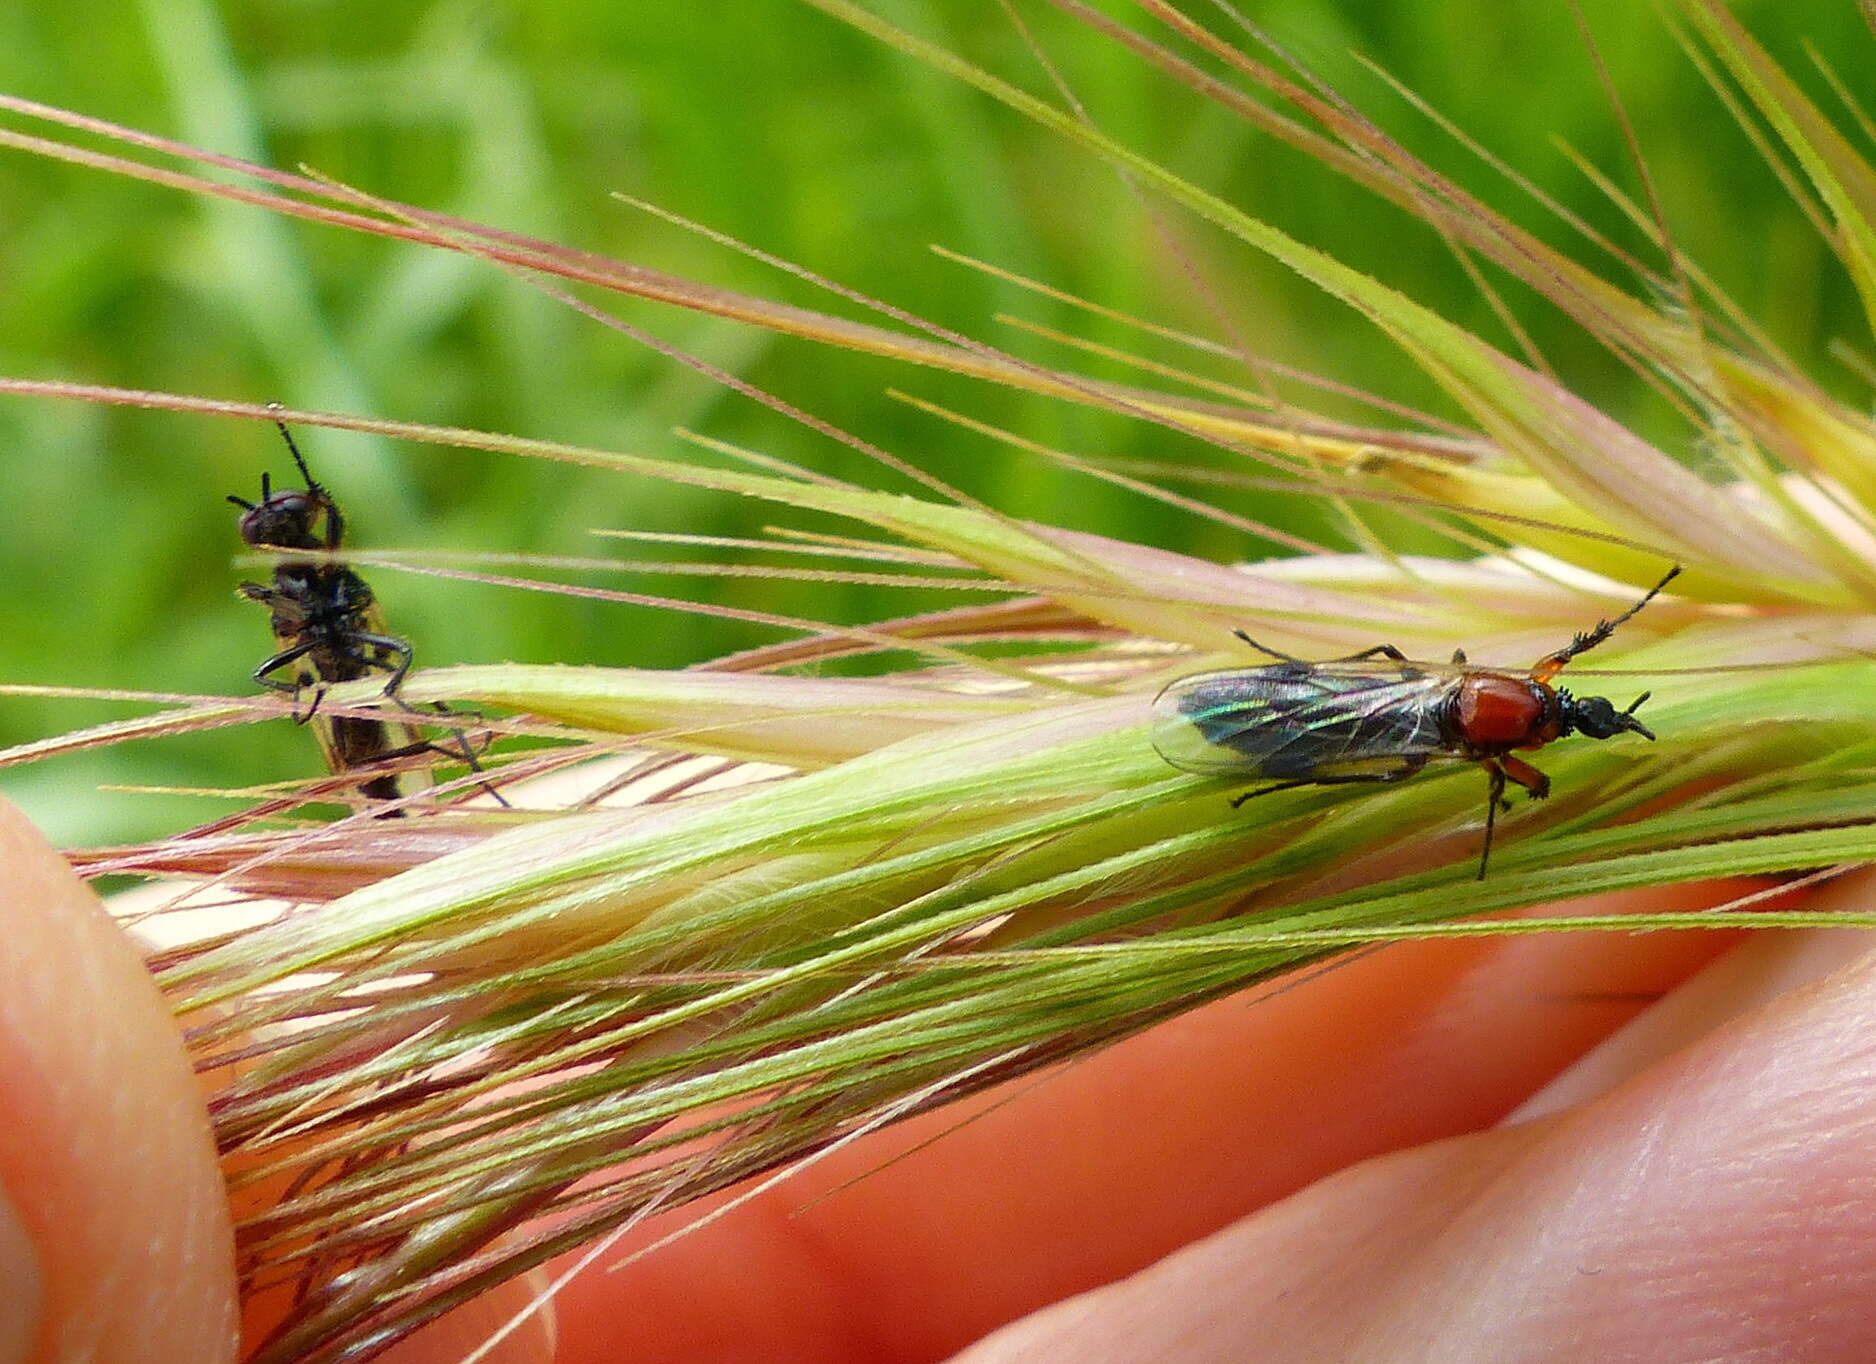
(312, 484)
(315, 491)
(1549, 667)
(1635, 724)
(244, 504)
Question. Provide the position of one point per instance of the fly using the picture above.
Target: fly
(328, 628)
(1378, 716)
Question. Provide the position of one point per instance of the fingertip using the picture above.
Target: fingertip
(22, 1306)
(106, 1155)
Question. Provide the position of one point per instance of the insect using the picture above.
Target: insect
(328, 627)
(1378, 716)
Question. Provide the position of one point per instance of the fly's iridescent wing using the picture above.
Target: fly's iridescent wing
(1302, 721)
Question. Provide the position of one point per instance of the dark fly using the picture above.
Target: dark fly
(327, 627)
(1378, 716)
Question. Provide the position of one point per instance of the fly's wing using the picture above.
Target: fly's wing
(1296, 721)
(351, 742)
(401, 737)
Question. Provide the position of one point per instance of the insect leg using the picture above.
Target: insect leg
(277, 662)
(1549, 667)
(462, 749)
(1237, 801)
(1408, 768)
(411, 750)
(1526, 776)
(295, 687)
(1495, 793)
(1387, 651)
(390, 646)
(1266, 649)
(395, 648)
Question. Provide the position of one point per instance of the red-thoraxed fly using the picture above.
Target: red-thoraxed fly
(328, 629)
(1378, 716)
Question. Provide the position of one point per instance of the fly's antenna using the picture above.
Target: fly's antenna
(312, 484)
(1633, 723)
(1589, 639)
(244, 504)
(315, 492)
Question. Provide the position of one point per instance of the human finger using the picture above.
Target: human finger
(1714, 1204)
(119, 1246)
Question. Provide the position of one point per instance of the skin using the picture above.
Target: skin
(1498, 1150)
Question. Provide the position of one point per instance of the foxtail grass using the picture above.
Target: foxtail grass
(743, 911)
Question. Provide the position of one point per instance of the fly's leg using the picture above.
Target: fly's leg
(1237, 801)
(1501, 770)
(1378, 651)
(277, 662)
(1389, 652)
(1495, 795)
(1533, 781)
(391, 647)
(1407, 769)
(1274, 653)
(461, 749)
(296, 686)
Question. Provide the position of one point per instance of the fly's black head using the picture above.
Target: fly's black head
(1597, 718)
(285, 519)
(281, 520)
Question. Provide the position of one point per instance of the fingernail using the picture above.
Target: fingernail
(22, 1289)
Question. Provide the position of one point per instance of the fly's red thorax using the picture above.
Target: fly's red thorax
(1496, 712)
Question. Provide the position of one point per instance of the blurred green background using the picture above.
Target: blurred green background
(773, 123)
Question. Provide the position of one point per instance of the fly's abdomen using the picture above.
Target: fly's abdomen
(1298, 720)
